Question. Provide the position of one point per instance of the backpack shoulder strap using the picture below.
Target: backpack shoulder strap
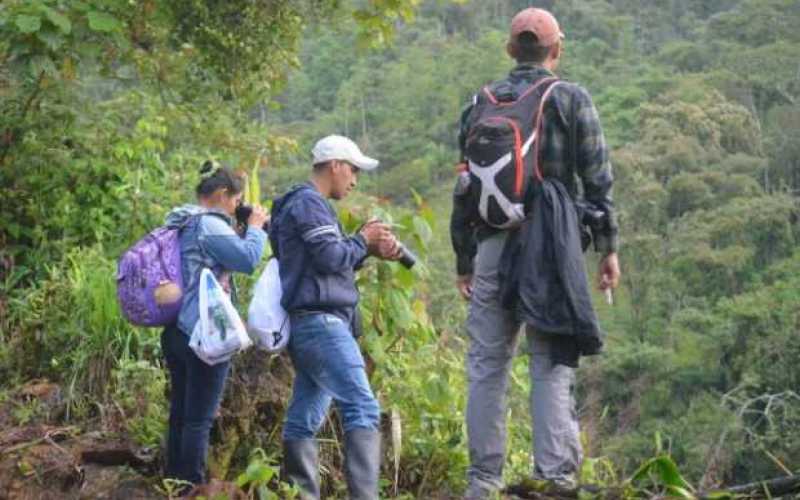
(188, 220)
(573, 144)
(488, 93)
(538, 128)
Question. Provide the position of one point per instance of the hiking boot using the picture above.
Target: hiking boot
(480, 491)
(563, 485)
(362, 450)
(301, 466)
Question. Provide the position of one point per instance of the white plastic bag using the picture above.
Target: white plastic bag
(267, 321)
(220, 332)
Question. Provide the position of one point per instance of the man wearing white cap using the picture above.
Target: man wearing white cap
(317, 264)
(569, 147)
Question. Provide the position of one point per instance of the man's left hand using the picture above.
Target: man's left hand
(389, 248)
(609, 274)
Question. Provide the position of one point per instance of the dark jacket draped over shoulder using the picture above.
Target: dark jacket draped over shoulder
(544, 279)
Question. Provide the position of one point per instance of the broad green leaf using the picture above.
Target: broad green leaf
(665, 471)
(28, 24)
(61, 21)
(259, 472)
(680, 492)
(423, 230)
(51, 38)
(100, 21)
(242, 480)
(405, 277)
(42, 64)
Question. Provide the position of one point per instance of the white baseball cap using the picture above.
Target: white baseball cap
(337, 147)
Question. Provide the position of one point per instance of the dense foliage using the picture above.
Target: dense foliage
(108, 107)
(699, 100)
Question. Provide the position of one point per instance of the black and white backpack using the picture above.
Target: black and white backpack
(502, 151)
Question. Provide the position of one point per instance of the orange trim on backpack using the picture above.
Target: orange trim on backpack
(519, 168)
(522, 96)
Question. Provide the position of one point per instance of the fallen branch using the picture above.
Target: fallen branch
(772, 488)
(764, 489)
(540, 490)
(49, 435)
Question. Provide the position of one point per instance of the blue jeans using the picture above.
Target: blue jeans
(328, 366)
(195, 393)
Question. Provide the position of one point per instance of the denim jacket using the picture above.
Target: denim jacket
(208, 240)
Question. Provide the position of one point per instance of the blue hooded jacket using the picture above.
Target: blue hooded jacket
(317, 262)
(208, 240)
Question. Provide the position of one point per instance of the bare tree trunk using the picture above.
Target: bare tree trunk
(347, 119)
(364, 120)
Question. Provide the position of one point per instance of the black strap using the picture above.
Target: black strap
(573, 145)
(276, 256)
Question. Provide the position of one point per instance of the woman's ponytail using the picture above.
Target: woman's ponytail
(214, 176)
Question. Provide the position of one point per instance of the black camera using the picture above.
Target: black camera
(407, 257)
(591, 216)
(242, 214)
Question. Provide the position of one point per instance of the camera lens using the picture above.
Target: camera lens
(407, 257)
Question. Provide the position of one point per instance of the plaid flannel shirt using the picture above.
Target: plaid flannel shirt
(591, 163)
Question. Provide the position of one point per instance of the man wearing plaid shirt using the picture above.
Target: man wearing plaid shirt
(535, 43)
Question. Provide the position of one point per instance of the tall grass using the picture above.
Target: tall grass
(69, 327)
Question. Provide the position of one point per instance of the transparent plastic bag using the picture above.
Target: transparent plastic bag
(220, 332)
(267, 321)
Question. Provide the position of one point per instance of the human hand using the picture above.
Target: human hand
(389, 248)
(377, 236)
(257, 217)
(464, 285)
(609, 274)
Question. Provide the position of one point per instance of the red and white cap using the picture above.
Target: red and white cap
(539, 22)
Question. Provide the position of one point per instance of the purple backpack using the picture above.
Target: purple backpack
(149, 279)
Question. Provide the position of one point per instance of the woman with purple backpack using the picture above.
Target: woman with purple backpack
(207, 240)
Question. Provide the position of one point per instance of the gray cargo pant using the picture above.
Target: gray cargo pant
(494, 334)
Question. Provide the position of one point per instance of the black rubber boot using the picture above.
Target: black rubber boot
(362, 463)
(301, 466)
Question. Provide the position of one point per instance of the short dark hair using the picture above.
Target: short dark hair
(319, 167)
(527, 49)
(214, 176)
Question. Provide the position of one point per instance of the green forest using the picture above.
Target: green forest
(109, 107)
